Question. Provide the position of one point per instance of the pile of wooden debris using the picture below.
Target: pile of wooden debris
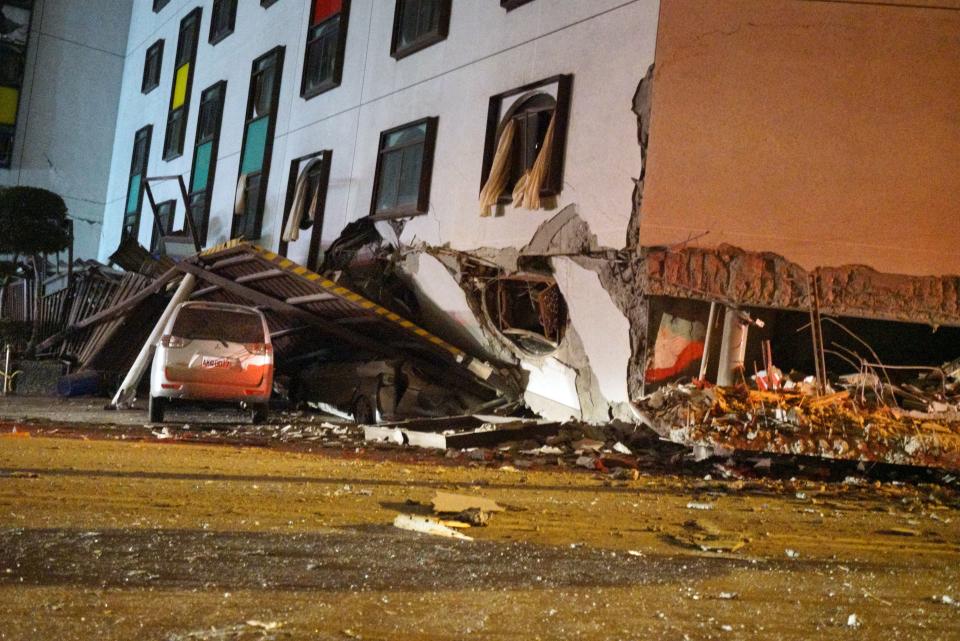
(840, 425)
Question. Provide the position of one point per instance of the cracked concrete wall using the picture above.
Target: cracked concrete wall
(602, 329)
(826, 132)
(733, 275)
(586, 377)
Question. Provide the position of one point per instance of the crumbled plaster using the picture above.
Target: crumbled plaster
(642, 102)
(764, 279)
(593, 365)
(564, 234)
(551, 389)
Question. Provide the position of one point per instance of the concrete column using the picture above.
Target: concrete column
(733, 348)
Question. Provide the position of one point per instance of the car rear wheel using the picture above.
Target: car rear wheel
(157, 405)
(258, 413)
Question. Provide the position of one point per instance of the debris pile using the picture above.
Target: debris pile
(851, 424)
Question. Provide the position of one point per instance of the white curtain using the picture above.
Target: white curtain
(240, 197)
(300, 208)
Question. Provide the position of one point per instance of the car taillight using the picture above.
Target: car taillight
(168, 340)
(259, 348)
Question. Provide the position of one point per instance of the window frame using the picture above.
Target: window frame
(147, 133)
(203, 221)
(148, 84)
(316, 230)
(510, 5)
(428, 39)
(554, 180)
(336, 78)
(158, 232)
(214, 36)
(186, 54)
(263, 174)
(422, 205)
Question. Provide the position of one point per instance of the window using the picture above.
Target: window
(152, 64)
(165, 213)
(11, 65)
(510, 5)
(257, 148)
(528, 309)
(306, 202)
(205, 323)
(525, 146)
(6, 145)
(222, 20)
(404, 168)
(267, 3)
(159, 4)
(205, 149)
(182, 85)
(417, 24)
(138, 172)
(326, 44)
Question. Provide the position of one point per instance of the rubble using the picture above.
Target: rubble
(842, 425)
(708, 536)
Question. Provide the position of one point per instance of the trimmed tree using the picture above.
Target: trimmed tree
(33, 221)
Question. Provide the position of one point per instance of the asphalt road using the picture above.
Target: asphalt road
(134, 537)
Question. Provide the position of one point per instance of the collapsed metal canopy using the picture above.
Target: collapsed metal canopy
(306, 311)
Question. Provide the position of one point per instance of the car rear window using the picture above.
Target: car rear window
(218, 324)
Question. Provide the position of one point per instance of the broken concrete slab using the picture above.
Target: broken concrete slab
(428, 525)
(460, 431)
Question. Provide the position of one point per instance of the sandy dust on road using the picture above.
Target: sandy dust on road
(136, 540)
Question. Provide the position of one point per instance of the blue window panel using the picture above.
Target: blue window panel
(256, 144)
(201, 167)
(133, 195)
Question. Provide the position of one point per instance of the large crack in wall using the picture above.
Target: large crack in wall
(641, 106)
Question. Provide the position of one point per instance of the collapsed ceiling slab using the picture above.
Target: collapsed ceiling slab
(304, 308)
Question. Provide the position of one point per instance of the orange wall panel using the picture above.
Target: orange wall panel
(826, 132)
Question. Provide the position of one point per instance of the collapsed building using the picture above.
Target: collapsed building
(741, 199)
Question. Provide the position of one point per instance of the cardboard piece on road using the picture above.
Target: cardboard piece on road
(447, 503)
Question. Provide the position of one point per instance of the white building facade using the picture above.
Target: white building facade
(442, 70)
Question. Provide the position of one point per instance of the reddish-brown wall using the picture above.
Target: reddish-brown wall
(826, 132)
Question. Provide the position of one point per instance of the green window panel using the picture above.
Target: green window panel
(201, 166)
(133, 195)
(255, 145)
